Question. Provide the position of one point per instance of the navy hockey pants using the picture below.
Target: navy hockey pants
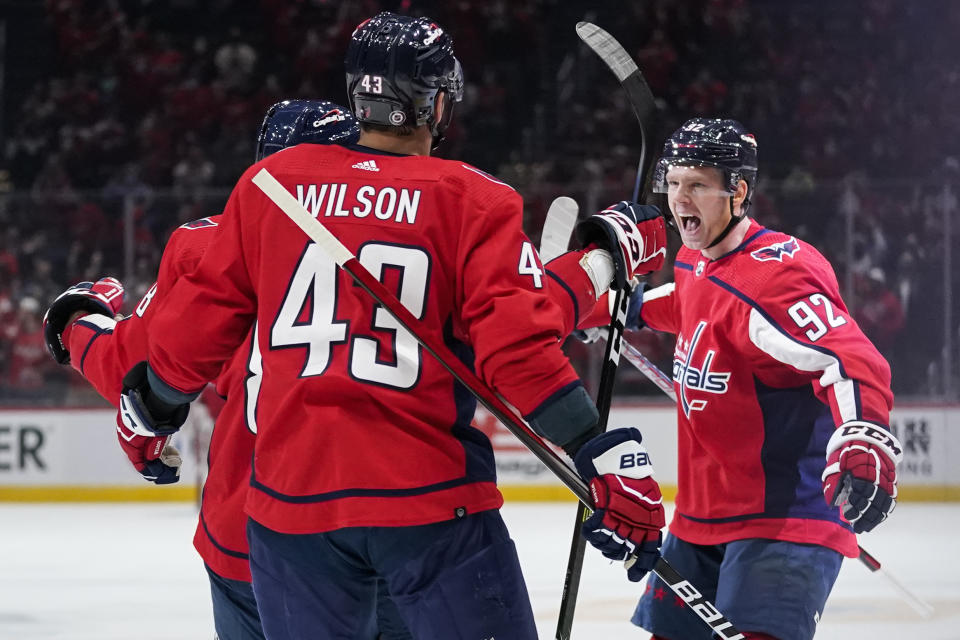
(766, 586)
(235, 614)
(455, 579)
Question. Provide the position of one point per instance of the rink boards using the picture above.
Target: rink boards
(72, 455)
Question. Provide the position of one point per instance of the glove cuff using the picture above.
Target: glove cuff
(874, 434)
(599, 267)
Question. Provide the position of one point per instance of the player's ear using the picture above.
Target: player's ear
(741, 193)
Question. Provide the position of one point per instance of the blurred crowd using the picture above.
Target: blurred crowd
(130, 117)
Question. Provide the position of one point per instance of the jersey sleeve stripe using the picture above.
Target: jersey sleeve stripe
(774, 340)
(101, 325)
(573, 297)
(662, 291)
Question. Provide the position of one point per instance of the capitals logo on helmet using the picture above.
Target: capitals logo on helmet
(712, 142)
(294, 122)
(396, 66)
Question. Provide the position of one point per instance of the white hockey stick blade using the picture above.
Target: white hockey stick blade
(558, 227)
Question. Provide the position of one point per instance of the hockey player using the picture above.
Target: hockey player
(783, 405)
(81, 322)
(365, 462)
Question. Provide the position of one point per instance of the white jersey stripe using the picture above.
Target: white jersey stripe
(662, 291)
(772, 341)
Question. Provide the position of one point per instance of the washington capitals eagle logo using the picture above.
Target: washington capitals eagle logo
(777, 251)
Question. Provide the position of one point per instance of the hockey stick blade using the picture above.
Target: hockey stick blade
(557, 228)
(329, 243)
(628, 74)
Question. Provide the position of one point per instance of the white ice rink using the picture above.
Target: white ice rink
(105, 572)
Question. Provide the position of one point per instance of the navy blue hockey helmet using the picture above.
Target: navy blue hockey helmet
(712, 142)
(396, 65)
(293, 122)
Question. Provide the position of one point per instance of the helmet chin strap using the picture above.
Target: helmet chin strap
(734, 221)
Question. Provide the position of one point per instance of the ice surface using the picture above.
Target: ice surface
(103, 572)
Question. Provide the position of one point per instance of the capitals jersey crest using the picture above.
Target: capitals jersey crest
(777, 251)
(693, 373)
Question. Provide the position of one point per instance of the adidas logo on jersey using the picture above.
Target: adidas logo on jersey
(367, 165)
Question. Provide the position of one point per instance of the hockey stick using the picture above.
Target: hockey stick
(349, 263)
(923, 608)
(659, 378)
(650, 370)
(557, 228)
(641, 99)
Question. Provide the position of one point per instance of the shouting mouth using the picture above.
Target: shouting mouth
(689, 224)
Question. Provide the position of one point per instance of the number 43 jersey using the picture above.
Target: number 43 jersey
(768, 361)
(356, 425)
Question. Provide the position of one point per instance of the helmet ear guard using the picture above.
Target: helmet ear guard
(396, 67)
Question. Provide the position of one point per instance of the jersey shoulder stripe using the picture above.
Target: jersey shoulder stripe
(771, 338)
(486, 176)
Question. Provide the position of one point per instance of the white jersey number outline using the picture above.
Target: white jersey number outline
(803, 314)
(313, 291)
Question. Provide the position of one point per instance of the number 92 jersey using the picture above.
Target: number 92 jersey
(356, 424)
(767, 362)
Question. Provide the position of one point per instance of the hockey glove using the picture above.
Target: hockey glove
(861, 473)
(628, 508)
(634, 235)
(142, 412)
(157, 461)
(104, 297)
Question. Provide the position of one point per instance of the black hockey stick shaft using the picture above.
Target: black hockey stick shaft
(641, 98)
(418, 329)
(611, 359)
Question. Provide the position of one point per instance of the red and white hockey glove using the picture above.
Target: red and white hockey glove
(628, 508)
(861, 473)
(105, 296)
(633, 234)
(156, 460)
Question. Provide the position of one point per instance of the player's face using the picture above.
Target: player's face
(699, 203)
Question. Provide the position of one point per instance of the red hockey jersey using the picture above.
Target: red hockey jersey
(767, 363)
(356, 425)
(103, 351)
